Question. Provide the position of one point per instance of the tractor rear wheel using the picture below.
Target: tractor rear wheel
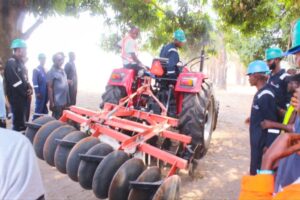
(112, 94)
(197, 118)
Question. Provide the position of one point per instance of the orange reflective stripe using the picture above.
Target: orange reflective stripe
(259, 187)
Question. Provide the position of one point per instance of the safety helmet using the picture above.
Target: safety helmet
(274, 52)
(18, 43)
(295, 39)
(179, 35)
(257, 66)
(41, 56)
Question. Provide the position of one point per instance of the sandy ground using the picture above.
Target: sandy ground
(219, 173)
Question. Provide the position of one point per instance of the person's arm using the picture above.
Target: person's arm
(35, 83)
(266, 124)
(173, 57)
(13, 80)
(260, 187)
(50, 94)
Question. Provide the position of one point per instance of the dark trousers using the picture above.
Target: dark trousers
(58, 111)
(73, 94)
(40, 107)
(20, 112)
(255, 159)
(135, 67)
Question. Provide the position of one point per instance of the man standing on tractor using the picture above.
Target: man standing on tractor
(170, 51)
(278, 78)
(129, 50)
(18, 89)
(263, 108)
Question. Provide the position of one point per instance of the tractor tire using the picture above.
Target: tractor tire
(51, 143)
(217, 107)
(30, 132)
(87, 169)
(112, 94)
(42, 135)
(62, 151)
(74, 160)
(197, 117)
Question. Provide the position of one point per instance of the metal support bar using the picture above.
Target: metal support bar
(153, 186)
(91, 158)
(33, 125)
(65, 143)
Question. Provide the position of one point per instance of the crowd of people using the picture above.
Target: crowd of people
(274, 127)
(58, 86)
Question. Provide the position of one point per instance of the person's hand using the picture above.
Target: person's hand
(38, 95)
(295, 100)
(29, 92)
(283, 146)
(247, 120)
(70, 82)
(266, 124)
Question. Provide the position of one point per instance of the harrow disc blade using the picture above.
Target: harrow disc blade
(42, 135)
(87, 169)
(51, 143)
(129, 171)
(105, 172)
(31, 132)
(62, 152)
(151, 174)
(73, 159)
(169, 190)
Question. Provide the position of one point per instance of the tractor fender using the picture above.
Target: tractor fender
(122, 77)
(189, 82)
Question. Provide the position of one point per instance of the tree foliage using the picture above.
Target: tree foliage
(251, 26)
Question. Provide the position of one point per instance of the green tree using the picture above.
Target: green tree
(252, 26)
(13, 13)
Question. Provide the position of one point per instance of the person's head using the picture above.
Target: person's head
(134, 32)
(293, 83)
(295, 50)
(58, 59)
(273, 57)
(179, 38)
(42, 59)
(72, 56)
(257, 72)
(19, 48)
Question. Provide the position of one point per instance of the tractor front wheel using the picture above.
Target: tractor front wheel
(112, 94)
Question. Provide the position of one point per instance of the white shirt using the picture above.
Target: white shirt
(20, 176)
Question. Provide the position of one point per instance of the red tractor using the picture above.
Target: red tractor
(189, 98)
(147, 122)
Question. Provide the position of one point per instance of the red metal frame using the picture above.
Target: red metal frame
(198, 79)
(109, 121)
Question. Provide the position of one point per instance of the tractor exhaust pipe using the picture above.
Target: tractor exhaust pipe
(202, 57)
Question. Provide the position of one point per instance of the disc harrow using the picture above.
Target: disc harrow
(104, 157)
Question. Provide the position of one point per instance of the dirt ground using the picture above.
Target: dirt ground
(219, 173)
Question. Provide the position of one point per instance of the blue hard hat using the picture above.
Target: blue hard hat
(41, 56)
(179, 35)
(18, 43)
(258, 66)
(274, 52)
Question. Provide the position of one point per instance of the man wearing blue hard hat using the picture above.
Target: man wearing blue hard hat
(170, 51)
(278, 79)
(263, 108)
(18, 89)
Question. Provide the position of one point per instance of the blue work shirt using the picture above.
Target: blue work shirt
(263, 108)
(39, 80)
(279, 83)
(170, 51)
(288, 169)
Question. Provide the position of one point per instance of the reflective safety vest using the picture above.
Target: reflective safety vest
(127, 58)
